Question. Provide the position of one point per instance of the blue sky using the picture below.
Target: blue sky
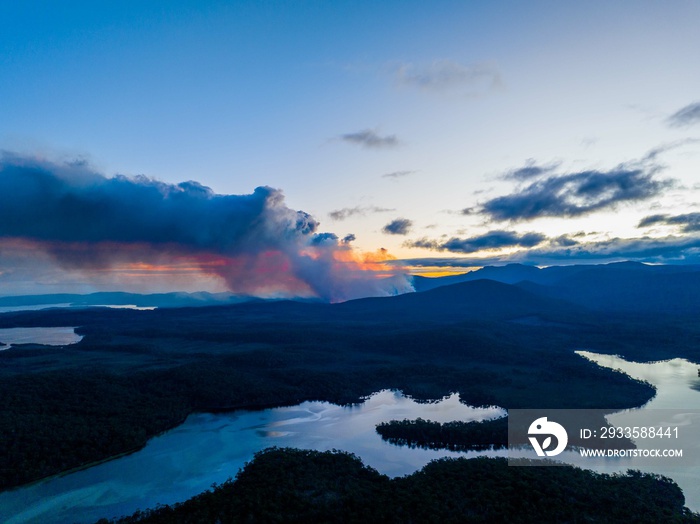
(402, 123)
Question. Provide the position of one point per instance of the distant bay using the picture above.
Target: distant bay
(50, 336)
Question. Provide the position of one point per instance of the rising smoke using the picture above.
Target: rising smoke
(257, 244)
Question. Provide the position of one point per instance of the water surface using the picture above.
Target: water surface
(33, 307)
(676, 403)
(50, 336)
(210, 448)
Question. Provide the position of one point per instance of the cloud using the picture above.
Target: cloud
(399, 226)
(671, 249)
(466, 262)
(397, 174)
(370, 139)
(643, 249)
(685, 116)
(529, 170)
(652, 154)
(689, 222)
(576, 194)
(446, 75)
(349, 238)
(347, 212)
(564, 241)
(488, 241)
(255, 243)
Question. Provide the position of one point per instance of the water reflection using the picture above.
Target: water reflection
(50, 336)
(676, 403)
(209, 448)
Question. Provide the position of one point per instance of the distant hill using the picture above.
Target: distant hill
(501, 292)
(629, 287)
(651, 289)
(508, 274)
(481, 299)
(516, 273)
(117, 298)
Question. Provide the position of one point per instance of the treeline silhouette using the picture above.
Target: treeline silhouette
(455, 436)
(138, 373)
(290, 485)
(65, 408)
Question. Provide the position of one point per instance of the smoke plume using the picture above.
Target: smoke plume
(254, 242)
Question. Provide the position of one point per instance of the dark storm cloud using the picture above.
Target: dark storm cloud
(576, 194)
(370, 139)
(347, 212)
(444, 75)
(490, 240)
(685, 116)
(399, 226)
(688, 222)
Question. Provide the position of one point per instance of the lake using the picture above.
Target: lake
(210, 448)
(34, 307)
(50, 336)
(39, 307)
(677, 387)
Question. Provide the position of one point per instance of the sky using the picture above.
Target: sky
(333, 149)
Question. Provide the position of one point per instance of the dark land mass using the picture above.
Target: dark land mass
(138, 373)
(117, 298)
(289, 485)
(488, 434)
(629, 287)
(455, 436)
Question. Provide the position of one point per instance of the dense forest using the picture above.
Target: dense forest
(455, 436)
(290, 485)
(138, 373)
(487, 434)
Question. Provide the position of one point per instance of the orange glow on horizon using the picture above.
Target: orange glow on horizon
(333, 271)
(370, 261)
(440, 271)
